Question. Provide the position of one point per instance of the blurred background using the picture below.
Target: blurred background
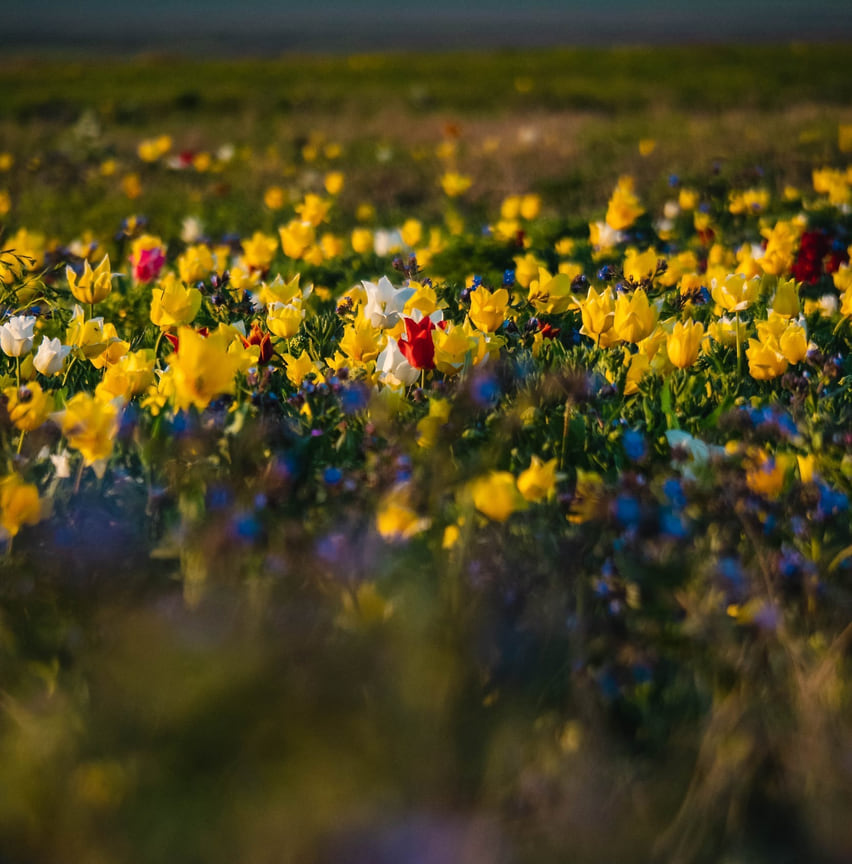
(270, 28)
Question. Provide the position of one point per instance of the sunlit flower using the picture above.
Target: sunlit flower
(16, 335)
(87, 335)
(313, 210)
(488, 309)
(19, 505)
(396, 520)
(90, 426)
(551, 295)
(385, 304)
(598, 312)
(128, 377)
(735, 293)
(417, 346)
(638, 266)
(196, 264)
(496, 495)
(333, 182)
(624, 207)
(786, 299)
(455, 184)
(634, 318)
(765, 360)
(684, 343)
(361, 341)
(202, 368)
(259, 250)
(93, 285)
(173, 303)
(539, 480)
(284, 319)
(50, 357)
(393, 368)
(147, 257)
(28, 406)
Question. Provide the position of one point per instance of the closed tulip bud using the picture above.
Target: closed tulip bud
(284, 319)
(794, 343)
(598, 311)
(684, 343)
(786, 300)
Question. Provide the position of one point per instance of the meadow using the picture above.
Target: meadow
(426, 457)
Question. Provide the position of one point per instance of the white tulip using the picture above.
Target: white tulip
(16, 335)
(393, 368)
(385, 304)
(50, 357)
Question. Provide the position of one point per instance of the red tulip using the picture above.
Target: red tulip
(418, 347)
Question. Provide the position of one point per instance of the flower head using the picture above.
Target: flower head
(93, 285)
(16, 335)
(203, 368)
(417, 347)
(50, 357)
(90, 425)
(684, 343)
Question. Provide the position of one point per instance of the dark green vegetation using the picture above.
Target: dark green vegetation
(215, 653)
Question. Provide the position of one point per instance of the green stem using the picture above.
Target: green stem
(565, 418)
(68, 370)
(79, 476)
(157, 344)
(21, 441)
(18, 371)
(739, 349)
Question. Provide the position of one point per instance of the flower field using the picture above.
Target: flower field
(424, 475)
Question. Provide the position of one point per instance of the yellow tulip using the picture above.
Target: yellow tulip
(362, 241)
(496, 495)
(634, 318)
(28, 406)
(202, 368)
(90, 425)
(129, 377)
(551, 295)
(539, 480)
(786, 300)
(598, 312)
(735, 293)
(296, 238)
(488, 309)
(88, 336)
(684, 343)
(640, 266)
(764, 360)
(19, 504)
(93, 285)
(195, 264)
(173, 303)
(624, 207)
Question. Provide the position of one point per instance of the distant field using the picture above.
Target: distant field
(560, 122)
